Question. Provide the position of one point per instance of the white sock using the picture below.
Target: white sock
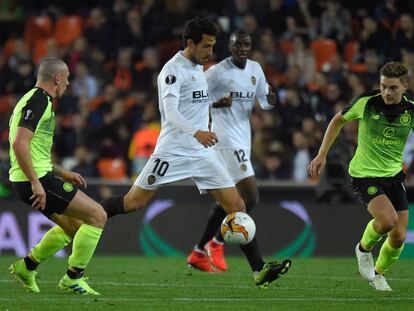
(217, 241)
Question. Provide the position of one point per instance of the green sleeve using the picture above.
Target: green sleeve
(355, 109)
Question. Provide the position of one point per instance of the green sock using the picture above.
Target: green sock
(53, 240)
(84, 245)
(370, 236)
(387, 256)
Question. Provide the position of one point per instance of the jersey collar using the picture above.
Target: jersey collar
(186, 60)
(45, 92)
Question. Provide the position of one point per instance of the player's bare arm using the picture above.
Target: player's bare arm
(72, 177)
(334, 127)
(21, 148)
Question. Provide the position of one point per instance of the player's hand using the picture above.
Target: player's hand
(316, 165)
(207, 139)
(224, 102)
(271, 97)
(39, 195)
(74, 178)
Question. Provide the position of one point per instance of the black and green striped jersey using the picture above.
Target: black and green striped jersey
(34, 111)
(382, 134)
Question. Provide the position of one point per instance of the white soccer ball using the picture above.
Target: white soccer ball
(238, 228)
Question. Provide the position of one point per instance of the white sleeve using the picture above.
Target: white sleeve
(170, 103)
(212, 81)
(262, 90)
(169, 82)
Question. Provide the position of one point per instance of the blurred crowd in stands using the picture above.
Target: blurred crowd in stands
(317, 56)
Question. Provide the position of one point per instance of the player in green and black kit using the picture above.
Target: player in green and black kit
(48, 187)
(385, 117)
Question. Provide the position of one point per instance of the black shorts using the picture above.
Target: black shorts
(393, 187)
(58, 193)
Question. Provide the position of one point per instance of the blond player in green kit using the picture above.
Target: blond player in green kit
(385, 117)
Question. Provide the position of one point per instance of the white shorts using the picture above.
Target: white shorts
(206, 172)
(236, 162)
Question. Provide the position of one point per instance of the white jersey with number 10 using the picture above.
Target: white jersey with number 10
(185, 80)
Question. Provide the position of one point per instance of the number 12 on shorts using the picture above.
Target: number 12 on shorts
(240, 155)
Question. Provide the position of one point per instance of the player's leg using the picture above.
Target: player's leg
(247, 189)
(230, 200)
(158, 170)
(24, 270)
(136, 198)
(86, 239)
(211, 241)
(263, 273)
(390, 252)
(201, 258)
(384, 218)
(54, 239)
(394, 244)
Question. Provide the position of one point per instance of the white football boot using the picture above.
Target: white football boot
(365, 264)
(379, 283)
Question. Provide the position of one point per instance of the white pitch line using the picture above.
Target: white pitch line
(294, 299)
(185, 299)
(249, 287)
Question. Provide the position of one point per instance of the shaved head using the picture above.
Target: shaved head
(49, 68)
(237, 34)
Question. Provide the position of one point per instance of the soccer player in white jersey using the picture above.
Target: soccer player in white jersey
(234, 86)
(183, 147)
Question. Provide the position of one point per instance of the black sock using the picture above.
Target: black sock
(252, 254)
(113, 205)
(75, 275)
(30, 264)
(213, 224)
(219, 237)
(361, 249)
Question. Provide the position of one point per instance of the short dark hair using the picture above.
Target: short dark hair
(239, 33)
(395, 70)
(196, 27)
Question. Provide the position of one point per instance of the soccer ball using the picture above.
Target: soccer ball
(238, 228)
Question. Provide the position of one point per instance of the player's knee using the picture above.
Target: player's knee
(388, 224)
(239, 205)
(235, 204)
(398, 241)
(97, 217)
(101, 217)
(397, 237)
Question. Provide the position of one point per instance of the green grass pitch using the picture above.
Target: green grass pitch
(156, 283)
